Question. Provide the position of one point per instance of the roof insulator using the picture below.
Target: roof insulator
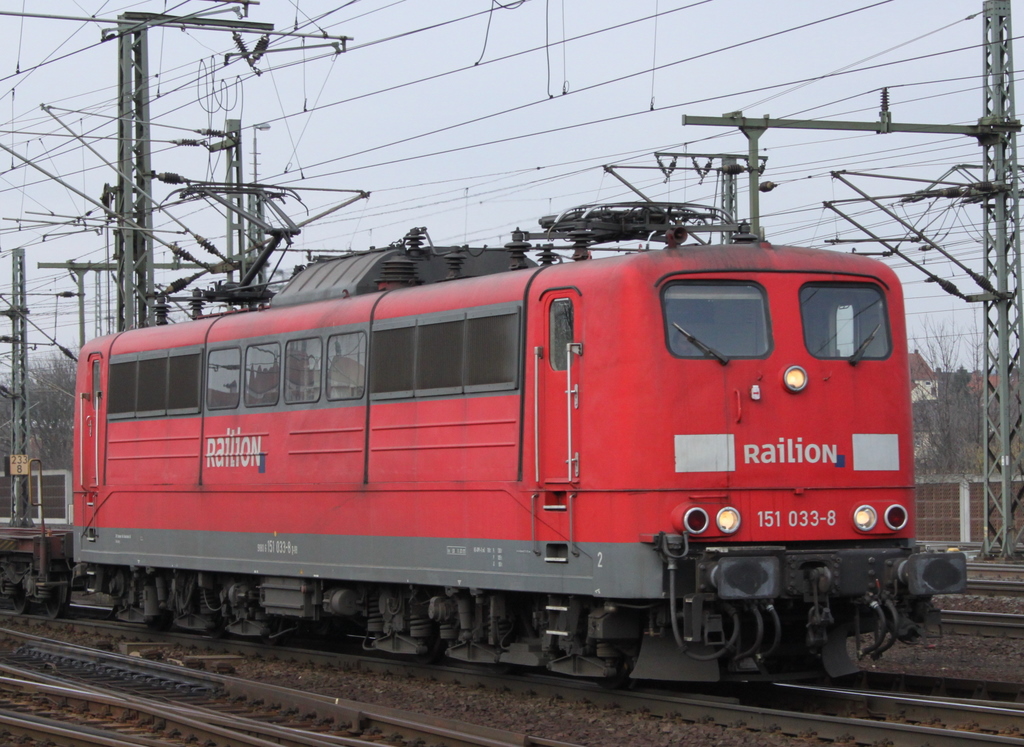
(454, 260)
(581, 239)
(517, 249)
(413, 242)
(547, 255)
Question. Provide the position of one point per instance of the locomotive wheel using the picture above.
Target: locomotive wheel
(20, 600)
(55, 606)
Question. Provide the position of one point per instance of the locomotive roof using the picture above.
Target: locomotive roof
(357, 274)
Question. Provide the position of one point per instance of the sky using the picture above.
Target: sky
(476, 117)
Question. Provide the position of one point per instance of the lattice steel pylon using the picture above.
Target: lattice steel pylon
(133, 248)
(21, 512)
(1004, 324)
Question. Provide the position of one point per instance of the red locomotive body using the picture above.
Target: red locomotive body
(692, 463)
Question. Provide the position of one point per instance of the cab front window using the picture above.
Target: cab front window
(845, 320)
(722, 320)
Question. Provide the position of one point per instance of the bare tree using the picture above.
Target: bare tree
(51, 395)
(52, 410)
(948, 423)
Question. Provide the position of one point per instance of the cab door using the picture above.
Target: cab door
(558, 392)
(89, 426)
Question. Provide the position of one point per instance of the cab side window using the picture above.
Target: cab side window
(561, 325)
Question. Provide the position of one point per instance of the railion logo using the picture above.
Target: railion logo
(236, 450)
(720, 452)
(788, 451)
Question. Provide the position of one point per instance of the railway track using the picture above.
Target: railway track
(988, 624)
(861, 715)
(140, 700)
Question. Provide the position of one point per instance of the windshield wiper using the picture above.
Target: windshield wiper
(702, 346)
(863, 347)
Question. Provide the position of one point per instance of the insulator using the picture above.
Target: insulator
(454, 260)
(160, 310)
(168, 177)
(413, 243)
(581, 239)
(517, 249)
(206, 244)
(260, 48)
(177, 285)
(240, 43)
(547, 255)
(733, 168)
(885, 99)
(766, 186)
(195, 306)
(192, 143)
(951, 192)
(67, 294)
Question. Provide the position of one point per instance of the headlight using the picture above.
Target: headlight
(896, 517)
(865, 518)
(728, 520)
(696, 520)
(795, 378)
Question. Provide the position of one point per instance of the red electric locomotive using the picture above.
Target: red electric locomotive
(692, 463)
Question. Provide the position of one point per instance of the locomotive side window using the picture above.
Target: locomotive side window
(151, 397)
(123, 377)
(728, 319)
(391, 370)
(561, 326)
(492, 344)
(467, 354)
(346, 366)
(302, 364)
(184, 373)
(262, 374)
(439, 356)
(155, 385)
(222, 378)
(845, 320)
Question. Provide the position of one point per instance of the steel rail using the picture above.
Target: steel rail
(989, 716)
(192, 723)
(987, 624)
(724, 711)
(358, 718)
(994, 587)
